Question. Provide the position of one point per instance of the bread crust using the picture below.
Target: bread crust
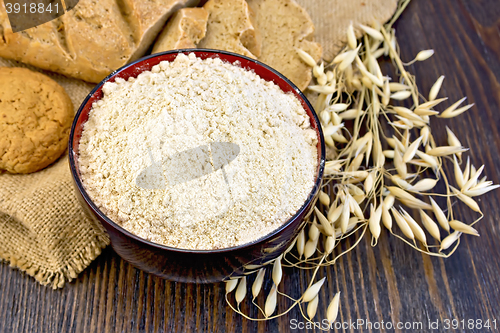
(231, 28)
(184, 30)
(89, 41)
(285, 26)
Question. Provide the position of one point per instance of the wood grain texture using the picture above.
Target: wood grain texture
(391, 282)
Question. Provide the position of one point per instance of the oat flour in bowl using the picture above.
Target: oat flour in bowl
(198, 154)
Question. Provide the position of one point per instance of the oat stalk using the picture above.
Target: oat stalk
(383, 165)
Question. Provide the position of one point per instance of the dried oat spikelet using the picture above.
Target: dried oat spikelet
(466, 200)
(453, 110)
(412, 149)
(374, 222)
(241, 290)
(423, 185)
(472, 180)
(481, 189)
(386, 218)
(430, 225)
(334, 213)
(440, 216)
(369, 181)
(349, 58)
(409, 199)
(327, 228)
(257, 284)
(329, 244)
(449, 240)
(399, 163)
(389, 201)
(372, 32)
(463, 228)
(446, 150)
(270, 305)
(333, 309)
(312, 291)
(324, 198)
(452, 138)
(424, 55)
(402, 224)
(344, 217)
(306, 57)
(435, 88)
(313, 231)
(312, 307)
(310, 247)
(417, 231)
(277, 271)
(301, 240)
(396, 86)
(401, 95)
(351, 37)
(230, 285)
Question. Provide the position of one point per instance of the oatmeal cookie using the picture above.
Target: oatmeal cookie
(35, 120)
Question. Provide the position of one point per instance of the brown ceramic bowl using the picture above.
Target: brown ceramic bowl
(200, 266)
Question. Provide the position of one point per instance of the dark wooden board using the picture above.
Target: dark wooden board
(391, 282)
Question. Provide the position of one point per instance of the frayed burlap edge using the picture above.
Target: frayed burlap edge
(57, 279)
(44, 231)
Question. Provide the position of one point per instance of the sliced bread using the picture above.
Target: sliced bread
(285, 26)
(91, 40)
(184, 30)
(230, 27)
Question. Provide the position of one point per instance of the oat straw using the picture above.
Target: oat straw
(356, 109)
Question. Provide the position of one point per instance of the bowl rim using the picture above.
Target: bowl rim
(288, 222)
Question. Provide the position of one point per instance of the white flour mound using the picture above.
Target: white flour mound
(192, 103)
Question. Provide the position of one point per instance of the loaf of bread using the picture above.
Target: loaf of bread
(184, 30)
(271, 31)
(230, 27)
(91, 40)
(285, 26)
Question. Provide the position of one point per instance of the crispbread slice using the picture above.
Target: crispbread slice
(230, 27)
(184, 30)
(285, 27)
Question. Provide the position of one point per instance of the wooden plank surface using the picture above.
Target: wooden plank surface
(390, 283)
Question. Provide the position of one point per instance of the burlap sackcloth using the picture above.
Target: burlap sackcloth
(43, 229)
